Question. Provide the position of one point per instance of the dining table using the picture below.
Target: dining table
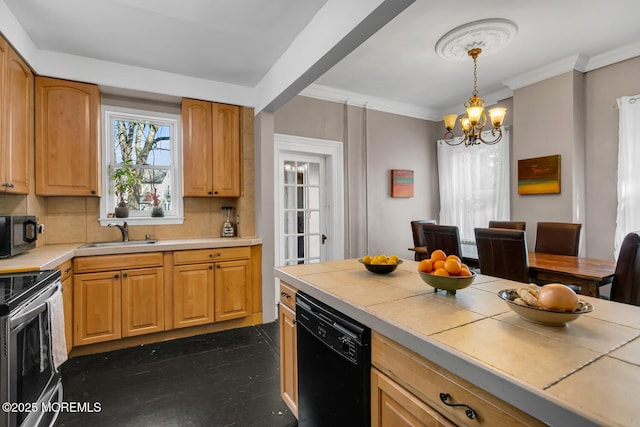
(586, 273)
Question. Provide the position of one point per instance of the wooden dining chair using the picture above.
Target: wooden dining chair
(513, 225)
(418, 236)
(561, 238)
(625, 286)
(503, 253)
(445, 237)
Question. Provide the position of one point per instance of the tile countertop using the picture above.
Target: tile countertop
(50, 256)
(584, 373)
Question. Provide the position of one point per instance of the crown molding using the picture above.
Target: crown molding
(574, 62)
(611, 57)
(327, 93)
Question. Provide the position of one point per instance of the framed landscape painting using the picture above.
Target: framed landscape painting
(401, 183)
(539, 175)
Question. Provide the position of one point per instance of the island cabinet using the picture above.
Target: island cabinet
(408, 390)
(212, 149)
(211, 285)
(67, 140)
(16, 123)
(288, 347)
(66, 279)
(117, 296)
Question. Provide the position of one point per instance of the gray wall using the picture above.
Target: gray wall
(573, 115)
(375, 142)
(603, 86)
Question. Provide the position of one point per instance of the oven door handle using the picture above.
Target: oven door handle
(40, 303)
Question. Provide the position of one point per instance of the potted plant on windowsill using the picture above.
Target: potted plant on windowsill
(125, 179)
(156, 210)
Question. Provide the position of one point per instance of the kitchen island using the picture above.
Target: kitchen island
(584, 373)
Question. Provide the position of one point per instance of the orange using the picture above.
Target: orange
(438, 255)
(426, 266)
(440, 272)
(455, 257)
(464, 272)
(452, 266)
(438, 264)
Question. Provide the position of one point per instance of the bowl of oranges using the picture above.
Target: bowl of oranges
(380, 264)
(446, 272)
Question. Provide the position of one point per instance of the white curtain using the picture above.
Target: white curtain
(474, 184)
(628, 216)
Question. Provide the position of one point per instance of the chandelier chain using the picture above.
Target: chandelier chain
(475, 77)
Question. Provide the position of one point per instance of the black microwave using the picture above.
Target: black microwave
(18, 234)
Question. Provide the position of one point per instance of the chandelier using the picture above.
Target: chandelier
(474, 121)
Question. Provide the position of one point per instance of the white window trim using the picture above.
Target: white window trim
(176, 166)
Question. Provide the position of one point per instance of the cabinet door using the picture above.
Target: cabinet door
(288, 359)
(232, 280)
(192, 295)
(96, 308)
(67, 138)
(142, 301)
(16, 95)
(393, 406)
(227, 151)
(197, 146)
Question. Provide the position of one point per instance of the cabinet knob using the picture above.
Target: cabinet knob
(117, 276)
(125, 275)
(209, 193)
(210, 267)
(7, 185)
(93, 191)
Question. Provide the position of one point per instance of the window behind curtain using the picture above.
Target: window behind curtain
(474, 185)
(628, 212)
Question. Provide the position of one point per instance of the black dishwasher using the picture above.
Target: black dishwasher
(334, 359)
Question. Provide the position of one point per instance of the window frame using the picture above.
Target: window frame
(107, 201)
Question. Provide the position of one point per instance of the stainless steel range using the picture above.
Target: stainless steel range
(29, 382)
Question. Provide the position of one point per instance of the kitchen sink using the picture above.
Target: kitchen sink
(112, 244)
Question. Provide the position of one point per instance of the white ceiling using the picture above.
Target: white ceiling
(239, 42)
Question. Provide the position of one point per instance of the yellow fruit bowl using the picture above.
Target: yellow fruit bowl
(380, 268)
(451, 284)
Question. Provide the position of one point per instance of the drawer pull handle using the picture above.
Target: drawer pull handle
(471, 413)
(217, 254)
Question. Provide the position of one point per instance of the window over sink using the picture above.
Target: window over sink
(147, 143)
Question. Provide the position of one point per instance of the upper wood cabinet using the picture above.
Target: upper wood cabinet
(67, 124)
(212, 149)
(16, 122)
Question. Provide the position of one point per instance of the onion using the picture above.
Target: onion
(558, 297)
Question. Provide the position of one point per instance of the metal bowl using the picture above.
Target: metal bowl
(540, 315)
(381, 268)
(450, 284)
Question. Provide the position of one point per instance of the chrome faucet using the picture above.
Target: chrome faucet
(124, 229)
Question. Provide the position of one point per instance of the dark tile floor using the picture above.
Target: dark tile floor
(228, 378)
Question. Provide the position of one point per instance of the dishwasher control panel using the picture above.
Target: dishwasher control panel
(342, 334)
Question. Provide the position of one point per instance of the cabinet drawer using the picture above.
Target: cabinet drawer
(427, 380)
(66, 270)
(117, 262)
(210, 255)
(288, 295)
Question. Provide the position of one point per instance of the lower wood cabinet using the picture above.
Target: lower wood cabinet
(407, 389)
(393, 406)
(117, 303)
(211, 285)
(288, 348)
(66, 279)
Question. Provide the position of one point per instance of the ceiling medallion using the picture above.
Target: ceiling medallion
(490, 35)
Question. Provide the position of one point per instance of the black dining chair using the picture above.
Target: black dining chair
(503, 253)
(418, 236)
(625, 286)
(513, 225)
(561, 238)
(445, 237)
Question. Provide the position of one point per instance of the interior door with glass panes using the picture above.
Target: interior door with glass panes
(302, 210)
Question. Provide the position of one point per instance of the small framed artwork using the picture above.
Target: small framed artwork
(401, 183)
(539, 175)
